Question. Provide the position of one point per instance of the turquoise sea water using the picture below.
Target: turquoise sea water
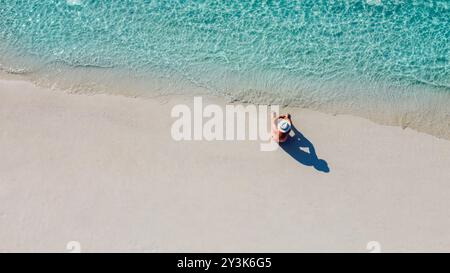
(386, 60)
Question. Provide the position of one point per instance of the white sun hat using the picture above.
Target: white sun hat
(284, 126)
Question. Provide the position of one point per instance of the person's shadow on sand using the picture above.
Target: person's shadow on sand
(295, 146)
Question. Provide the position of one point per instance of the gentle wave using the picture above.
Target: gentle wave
(385, 60)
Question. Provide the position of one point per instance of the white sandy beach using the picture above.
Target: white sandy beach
(104, 171)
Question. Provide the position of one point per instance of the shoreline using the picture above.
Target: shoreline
(104, 171)
(422, 111)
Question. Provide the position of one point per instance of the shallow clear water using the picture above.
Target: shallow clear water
(386, 60)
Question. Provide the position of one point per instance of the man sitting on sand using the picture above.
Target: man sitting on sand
(281, 126)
